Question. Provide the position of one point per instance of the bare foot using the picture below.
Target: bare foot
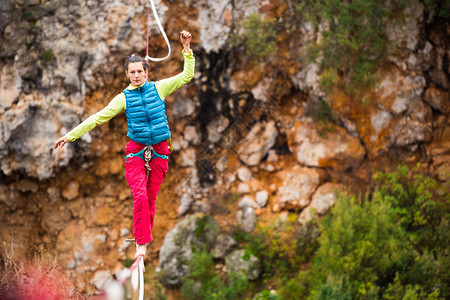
(140, 250)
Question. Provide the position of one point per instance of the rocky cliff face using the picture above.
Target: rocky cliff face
(245, 140)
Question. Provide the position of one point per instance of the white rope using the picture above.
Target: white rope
(137, 278)
(141, 279)
(114, 290)
(161, 29)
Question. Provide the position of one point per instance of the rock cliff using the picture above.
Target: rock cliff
(247, 139)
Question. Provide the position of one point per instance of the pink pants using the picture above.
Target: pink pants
(144, 192)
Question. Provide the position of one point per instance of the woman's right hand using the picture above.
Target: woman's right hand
(61, 142)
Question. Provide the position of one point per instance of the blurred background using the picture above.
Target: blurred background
(311, 150)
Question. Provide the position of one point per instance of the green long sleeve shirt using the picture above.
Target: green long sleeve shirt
(164, 88)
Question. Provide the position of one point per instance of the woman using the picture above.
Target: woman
(144, 107)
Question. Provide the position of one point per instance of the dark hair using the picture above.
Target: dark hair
(135, 58)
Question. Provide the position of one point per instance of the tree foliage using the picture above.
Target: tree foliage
(391, 244)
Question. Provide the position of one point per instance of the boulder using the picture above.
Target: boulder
(438, 99)
(439, 78)
(325, 197)
(257, 143)
(308, 79)
(244, 264)
(215, 19)
(261, 90)
(243, 188)
(409, 132)
(194, 232)
(323, 200)
(104, 215)
(338, 149)
(223, 245)
(246, 218)
(262, 197)
(178, 142)
(244, 174)
(306, 216)
(247, 201)
(396, 90)
(297, 186)
(27, 135)
(70, 191)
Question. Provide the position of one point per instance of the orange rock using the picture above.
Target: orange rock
(333, 149)
(104, 215)
(438, 99)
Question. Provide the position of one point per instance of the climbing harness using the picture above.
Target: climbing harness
(161, 29)
(147, 154)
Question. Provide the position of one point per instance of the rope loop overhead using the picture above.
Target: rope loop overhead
(161, 29)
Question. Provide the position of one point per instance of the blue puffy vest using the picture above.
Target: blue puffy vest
(146, 115)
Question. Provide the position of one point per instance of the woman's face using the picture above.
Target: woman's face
(136, 73)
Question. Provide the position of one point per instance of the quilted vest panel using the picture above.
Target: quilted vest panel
(146, 115)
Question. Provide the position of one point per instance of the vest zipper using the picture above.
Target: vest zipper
(143, 106)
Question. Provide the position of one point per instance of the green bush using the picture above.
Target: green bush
(361, 244)
(392, 244)
(204, 283)
(415, 198)
(265, 295)
(397, 291)
(279, 246)
(257, 39)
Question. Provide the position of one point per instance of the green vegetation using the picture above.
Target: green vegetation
(258, 37)
(48, 56)
(159, 293)
(437, 8)
(392, 243)
(204, 283)
(128, 262)
(353, 41)
(323, 115)
(279, 245)
(352, 37)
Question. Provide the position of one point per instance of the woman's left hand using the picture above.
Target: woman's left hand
(186, 38)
